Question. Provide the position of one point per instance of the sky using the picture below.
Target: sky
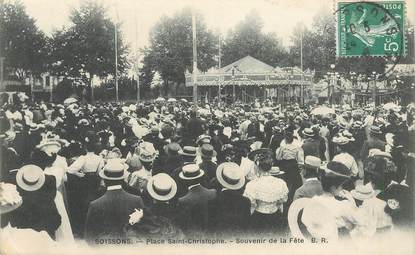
(139, 16)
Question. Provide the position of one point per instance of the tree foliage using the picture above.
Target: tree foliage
(170, 50)
(247, 38)
(23, 45)
(87, 47)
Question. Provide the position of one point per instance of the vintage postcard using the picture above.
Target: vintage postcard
(207, 127)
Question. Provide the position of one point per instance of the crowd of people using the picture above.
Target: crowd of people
(77, 171)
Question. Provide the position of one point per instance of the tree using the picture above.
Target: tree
(170, 50)
(22, 44)
(87, 47)
(319, 49)
(156, 82)
(248, 39)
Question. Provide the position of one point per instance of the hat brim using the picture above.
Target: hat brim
(103, 176)
(360, 196)
(225, 184)
(148, 160)
(159, 197)
(181, 152)
(192, 178)
(214, 154)
(25, 186)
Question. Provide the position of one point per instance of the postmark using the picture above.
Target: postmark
(371, 29)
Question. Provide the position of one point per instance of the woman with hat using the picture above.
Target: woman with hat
(139, 177)
(326, 215)
(84, 184)
(45, 157)
(267, 195)
(289, 155)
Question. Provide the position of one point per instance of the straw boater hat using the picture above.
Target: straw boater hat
(207, 151)
(375, 130)
(10, 198)
(162, 187)
(30, 178)
(188, 151)
(202, 139)
(312, 162)
(49, 146)
(363, 192)
(191, 172)
(115, 169)
(337, 169)
(147, 152)
(230, 176)
(308, 132)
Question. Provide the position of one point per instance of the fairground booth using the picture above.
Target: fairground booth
(248, 79)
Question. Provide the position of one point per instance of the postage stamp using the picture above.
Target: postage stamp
(371, 29)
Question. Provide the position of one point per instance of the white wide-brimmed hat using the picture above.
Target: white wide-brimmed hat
(162, 187)
(30, 177)
(230, 176)
(115, 169)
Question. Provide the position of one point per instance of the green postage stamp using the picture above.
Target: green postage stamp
(371, 29)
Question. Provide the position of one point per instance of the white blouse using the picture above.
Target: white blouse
(267, 194)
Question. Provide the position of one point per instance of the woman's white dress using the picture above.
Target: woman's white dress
(64, 232)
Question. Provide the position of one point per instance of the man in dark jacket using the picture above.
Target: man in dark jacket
(193, 206)
(311, 186)
(38, 210)
(109, 215)
(374, 141)
(231, 211)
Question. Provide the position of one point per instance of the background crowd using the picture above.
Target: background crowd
(80, 171)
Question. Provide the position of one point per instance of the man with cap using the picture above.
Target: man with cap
(168, 161)
(374, 141)
(231, 210)
(311, 186)
(162, 190)
(109, 215)
(193, 206)
(311, 143)
(207, 153)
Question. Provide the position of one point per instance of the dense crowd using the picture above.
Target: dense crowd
(80, 171)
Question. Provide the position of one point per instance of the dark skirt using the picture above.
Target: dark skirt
(292, 176)
(267, 224)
